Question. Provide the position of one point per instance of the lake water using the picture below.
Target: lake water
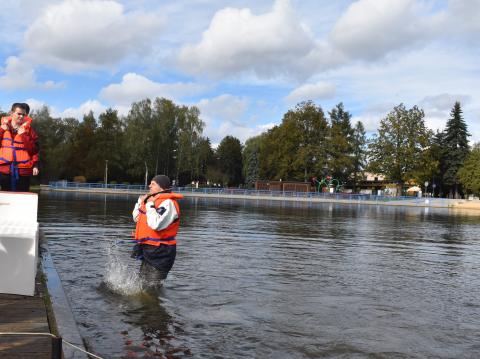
(273, 280)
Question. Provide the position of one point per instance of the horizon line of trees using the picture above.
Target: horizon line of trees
(160, 136)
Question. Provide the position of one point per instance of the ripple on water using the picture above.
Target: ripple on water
(269, 280)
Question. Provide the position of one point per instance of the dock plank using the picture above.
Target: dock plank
(24, 314)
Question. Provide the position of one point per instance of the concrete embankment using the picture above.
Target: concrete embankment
(298, 197)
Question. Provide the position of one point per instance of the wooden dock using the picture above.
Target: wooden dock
(19, 313)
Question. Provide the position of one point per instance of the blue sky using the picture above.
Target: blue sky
(243, 63)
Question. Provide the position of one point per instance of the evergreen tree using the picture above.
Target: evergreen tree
(455, 148)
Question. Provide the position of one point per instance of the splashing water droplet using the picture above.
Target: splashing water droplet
(122, 274)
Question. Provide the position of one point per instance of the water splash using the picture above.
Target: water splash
(122, 274)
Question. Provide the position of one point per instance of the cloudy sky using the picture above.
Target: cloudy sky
(243, 63)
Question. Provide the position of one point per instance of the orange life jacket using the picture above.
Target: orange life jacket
(26, 119)
(146, 235)
(12, 150)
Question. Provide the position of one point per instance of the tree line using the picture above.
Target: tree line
(160, 136)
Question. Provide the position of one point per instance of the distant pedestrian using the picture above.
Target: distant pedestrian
(18, 149)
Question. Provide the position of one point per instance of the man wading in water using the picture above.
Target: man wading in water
(157, 215)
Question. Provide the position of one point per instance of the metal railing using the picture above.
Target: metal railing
(236, 191)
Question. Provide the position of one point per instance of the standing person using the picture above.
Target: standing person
(157, 215)
(18, 150)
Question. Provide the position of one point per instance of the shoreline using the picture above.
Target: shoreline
(425, 202)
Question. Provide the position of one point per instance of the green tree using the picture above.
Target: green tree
(56, 137)
(469, 174)
(455, 150)
(428, 169)
(251, 159)
(138, 141)
(359, 153)
(166, 117)
(277, 152)
(340, 144)
(84, 157)
(401, 140)
(190, 128)
(312, 129)
(229, 155)
(204, 157)
(109, 144)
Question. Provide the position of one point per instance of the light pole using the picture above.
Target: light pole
(146, 175)
(106, 173)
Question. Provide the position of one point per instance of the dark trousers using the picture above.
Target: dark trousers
(156, 263)
(22, 184)
(151, 277)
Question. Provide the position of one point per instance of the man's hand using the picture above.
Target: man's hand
(22, 128)
(4, 123)
(35, 171)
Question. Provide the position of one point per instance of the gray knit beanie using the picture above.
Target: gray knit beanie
(162, 180)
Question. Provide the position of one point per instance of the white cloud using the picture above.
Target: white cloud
(225, 115)
(317, 91)
(372, 116)
(36, 105)
(82, 34)
(438, 108)
(136, 87)
(443, 102)
(459, 20)
(369, 29)
(91, 105)
(225, 107)
(19, 74)
(238, 41)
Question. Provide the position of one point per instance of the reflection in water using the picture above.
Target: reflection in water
(146, 311)
(269, 279)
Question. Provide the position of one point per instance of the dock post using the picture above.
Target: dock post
(56, 347)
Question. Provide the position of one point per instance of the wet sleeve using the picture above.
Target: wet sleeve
(161, 217)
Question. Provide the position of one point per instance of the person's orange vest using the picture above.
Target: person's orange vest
(12, 150)
(26, 120)
(146, 235)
